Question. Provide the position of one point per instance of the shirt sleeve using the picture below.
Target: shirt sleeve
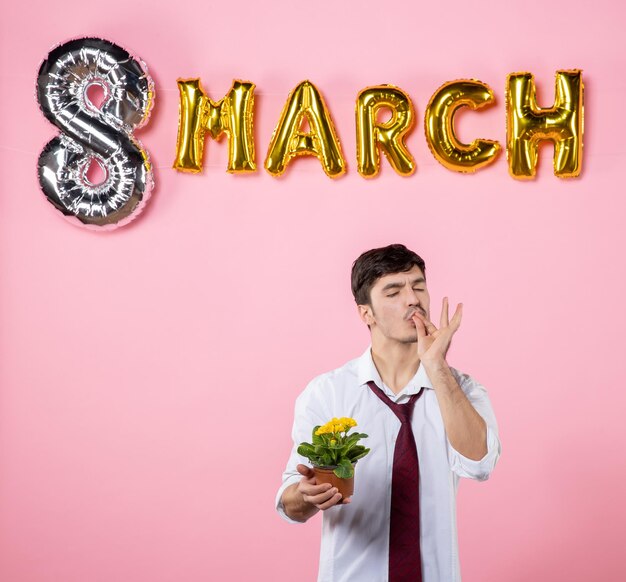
(461, 465)
(310, 411)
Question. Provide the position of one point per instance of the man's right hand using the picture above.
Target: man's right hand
(305, 498)
(322, 496)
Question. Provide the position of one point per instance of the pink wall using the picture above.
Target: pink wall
(148, 375)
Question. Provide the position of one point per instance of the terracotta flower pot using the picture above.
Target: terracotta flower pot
(326, 475)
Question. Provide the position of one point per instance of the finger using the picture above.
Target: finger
(419, 326)
(332, 501)
(443, 322)
(312, 489)
(304, 470)
(456, 319)
(429, 326)
(322, 498)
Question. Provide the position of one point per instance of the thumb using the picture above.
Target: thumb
(305, 471)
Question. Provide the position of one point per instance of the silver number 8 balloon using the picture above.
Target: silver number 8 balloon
(95, 134)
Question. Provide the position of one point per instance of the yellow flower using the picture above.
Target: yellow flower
(325, 429)
(348, 422)
(336, 425)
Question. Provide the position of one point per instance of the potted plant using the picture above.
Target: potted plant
(334, 453)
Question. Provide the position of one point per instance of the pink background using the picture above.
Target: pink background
(148, 375)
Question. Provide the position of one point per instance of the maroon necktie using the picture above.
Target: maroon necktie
(405, 564)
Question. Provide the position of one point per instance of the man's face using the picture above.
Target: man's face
(394, 298)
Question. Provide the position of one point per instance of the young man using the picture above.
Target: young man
(428, 425)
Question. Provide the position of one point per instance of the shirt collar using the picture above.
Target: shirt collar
(367, 371)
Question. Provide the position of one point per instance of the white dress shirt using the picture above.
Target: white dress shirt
(355, 536)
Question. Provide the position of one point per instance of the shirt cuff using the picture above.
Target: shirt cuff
(472, 469)
(279, 504)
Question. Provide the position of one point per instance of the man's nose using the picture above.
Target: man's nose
(413, 297)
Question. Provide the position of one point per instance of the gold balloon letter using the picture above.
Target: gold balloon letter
(289, 140)
(389, 134)
(232, 115)
(439, 126)
(527, 124)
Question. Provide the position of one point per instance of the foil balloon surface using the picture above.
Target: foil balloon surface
(199, 115)
(528, 124)
(94, 132)
(305, 103)
(389, 135)
(439, 126)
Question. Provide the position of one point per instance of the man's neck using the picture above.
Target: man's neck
(396, 363)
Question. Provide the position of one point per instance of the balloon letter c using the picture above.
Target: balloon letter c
(439, 126)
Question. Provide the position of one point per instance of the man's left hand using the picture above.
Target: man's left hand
(433, 343)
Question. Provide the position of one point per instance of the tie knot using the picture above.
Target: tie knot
(404, 412)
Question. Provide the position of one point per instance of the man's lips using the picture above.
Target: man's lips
(410, 316)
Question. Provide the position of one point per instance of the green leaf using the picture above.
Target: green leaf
(353, 438)
(356, 454)
(306, 450)
(326, 459)
(344, 469)
(316, 438)
(341, 452)
(348, 447)
(320, 449)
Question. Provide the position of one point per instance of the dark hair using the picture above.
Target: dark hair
(374, 264)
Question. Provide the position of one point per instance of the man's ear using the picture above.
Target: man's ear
(365, 313)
